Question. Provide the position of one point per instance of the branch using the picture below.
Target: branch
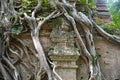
(38, 7)
(58, 14)
(4, 72)
(78, 36)
(78, 16)
(31, 21)
(68, 4)
(40, 23)
(54, 66)
(105, 34)
(16, 74)
(102, 32)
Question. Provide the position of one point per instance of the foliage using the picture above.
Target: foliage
(28, 5)
(46, 3)
(16, 29)
(99, 21)
(43, 13)
(113, 27)
(86, 5)
(84, 1)
(115, 10)
(115, 7)
(91, 4)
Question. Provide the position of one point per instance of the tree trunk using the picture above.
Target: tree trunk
(9, 17)
(41, 55)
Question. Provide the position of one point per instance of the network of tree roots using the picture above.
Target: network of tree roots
(18, 61)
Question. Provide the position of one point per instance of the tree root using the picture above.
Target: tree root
(72, 15)
(90, 50)
(106, 35)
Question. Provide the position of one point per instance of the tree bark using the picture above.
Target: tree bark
(71, 14)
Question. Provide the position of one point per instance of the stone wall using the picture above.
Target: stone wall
(110, 59)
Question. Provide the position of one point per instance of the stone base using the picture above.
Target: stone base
(67, 74)
(65, 65)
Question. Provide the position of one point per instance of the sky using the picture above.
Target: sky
(112, 0)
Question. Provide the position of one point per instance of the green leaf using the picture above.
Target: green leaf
(83, 1)
(16, 29)
(91, 4)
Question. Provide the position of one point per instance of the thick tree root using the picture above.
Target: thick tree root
(41, 55)
(106, 35)
(73, 16)
(90, 50)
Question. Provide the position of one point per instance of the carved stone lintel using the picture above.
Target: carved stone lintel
(64, 58)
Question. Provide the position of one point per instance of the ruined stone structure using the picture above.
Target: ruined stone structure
(63, 52)
(69, 64)
(59, 45)
(102, 14)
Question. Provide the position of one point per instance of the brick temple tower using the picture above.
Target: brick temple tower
(103, 13)
(102, 5)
